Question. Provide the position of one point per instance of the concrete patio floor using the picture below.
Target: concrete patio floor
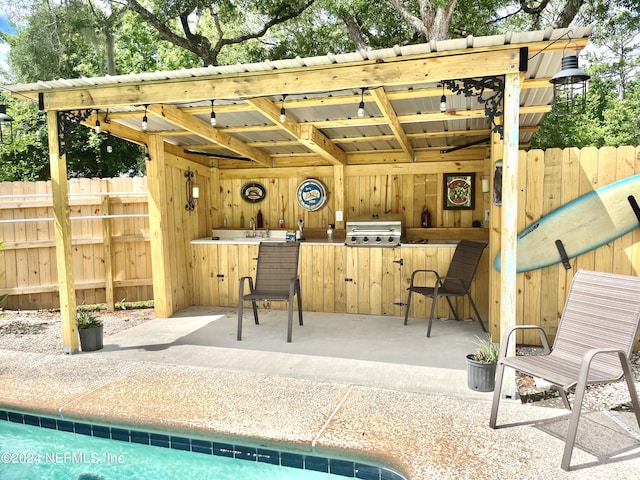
(360, 387)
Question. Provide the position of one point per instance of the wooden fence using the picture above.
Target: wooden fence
(110, 241)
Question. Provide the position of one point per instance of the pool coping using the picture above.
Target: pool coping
(419, 435)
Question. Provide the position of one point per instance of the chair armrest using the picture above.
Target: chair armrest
(504, 344)
(243, 280)
(413, 275)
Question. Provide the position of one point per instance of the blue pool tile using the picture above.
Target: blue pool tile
(49, 423)
(83, 429)
(180, 443)
(342, 467)
(101, 432)
(268, 456)
(202, 446)
(65, 426)
(367, 472)
(32, 420)
(389, 475)
(15, 417)
(317, 464)
(291, 460)
(223, 449)
(246, 453)
(159, 440)
(120, 434)
(139, 437)
(4, 415)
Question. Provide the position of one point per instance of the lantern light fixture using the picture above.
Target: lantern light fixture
(193, 191)
(6, 125)
(569, 88)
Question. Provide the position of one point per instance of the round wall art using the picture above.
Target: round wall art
(311, 195)
(253, 192)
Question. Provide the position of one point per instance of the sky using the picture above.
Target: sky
(4, 48)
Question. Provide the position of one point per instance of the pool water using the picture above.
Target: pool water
(28, 451)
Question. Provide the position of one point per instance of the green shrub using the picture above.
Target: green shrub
(486, 350)
(87, 319)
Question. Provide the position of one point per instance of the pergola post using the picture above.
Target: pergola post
(158, 228)
(62, 227)
(509, 218)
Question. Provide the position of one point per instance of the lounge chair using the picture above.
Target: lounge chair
(594, 340)
(276, 280)
(456, 283)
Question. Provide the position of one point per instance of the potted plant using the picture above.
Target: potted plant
(91, 330)
(481, 366)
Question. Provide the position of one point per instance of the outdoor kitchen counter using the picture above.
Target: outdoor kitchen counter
(335, 278)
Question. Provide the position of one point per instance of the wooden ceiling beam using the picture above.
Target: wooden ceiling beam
(307, 135)
(183, 120)
(398, 71)
(391, 118)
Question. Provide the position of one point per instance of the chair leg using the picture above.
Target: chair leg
(240, 308)
(290, 321)
(573, 422)
(475, 309)
(455, 314)
(406, 312)
(497, 391)
(299, 304)
(254, 305)
(433, 311)
(628, 376)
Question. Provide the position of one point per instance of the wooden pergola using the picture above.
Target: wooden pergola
(403, 128)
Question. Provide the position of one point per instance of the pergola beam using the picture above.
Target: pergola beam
(398, 71)
(183, 120)
(391, 118)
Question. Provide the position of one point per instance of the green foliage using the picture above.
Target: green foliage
(86, 319)
(486, 351)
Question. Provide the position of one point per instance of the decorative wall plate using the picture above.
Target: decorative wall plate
(311, 195)
(253, 192)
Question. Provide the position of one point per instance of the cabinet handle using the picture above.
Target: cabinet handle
(220, 275)
(348, 279)
(399, 262)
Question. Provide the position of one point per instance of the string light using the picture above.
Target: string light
(361, 105)
(283, 112)
(145, 120)
(443, 101)
(213, 115)
(98, 129)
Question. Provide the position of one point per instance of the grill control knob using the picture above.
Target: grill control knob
(365, 240)
(353, 239)
(391, 239)
(378, 240)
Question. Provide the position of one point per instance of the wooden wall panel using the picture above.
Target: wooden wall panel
(553, 178)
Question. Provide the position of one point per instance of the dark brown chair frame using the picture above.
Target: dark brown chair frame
(276, 280)
(595, 337)
(456, 283)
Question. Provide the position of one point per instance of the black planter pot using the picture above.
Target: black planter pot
(481, 376)
(91, 338)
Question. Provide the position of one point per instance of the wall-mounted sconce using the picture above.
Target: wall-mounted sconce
(6, 125)
(485, 184)
(147, 157)
(193, 191)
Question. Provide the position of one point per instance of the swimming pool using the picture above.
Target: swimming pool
(48, 448)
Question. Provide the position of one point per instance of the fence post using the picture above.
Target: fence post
(107, 251)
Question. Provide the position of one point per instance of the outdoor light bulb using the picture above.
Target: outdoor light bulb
(98, 130)
(109, 149)
(443, 104)
(361, 109)
(195, 191)
(145, 123)
(283, 115)
(213, 119)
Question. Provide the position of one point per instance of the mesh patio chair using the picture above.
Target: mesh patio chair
(456, 283)
(594, 340)
(276, 280)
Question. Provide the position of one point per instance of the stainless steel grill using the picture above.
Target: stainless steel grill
(374, 231)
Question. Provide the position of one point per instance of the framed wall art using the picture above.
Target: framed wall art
(459, 191)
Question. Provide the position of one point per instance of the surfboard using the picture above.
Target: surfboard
(579, 226)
